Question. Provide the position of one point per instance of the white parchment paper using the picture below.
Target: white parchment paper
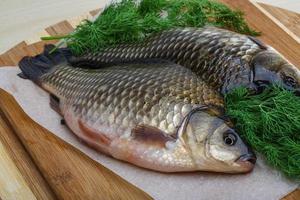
(263, 183)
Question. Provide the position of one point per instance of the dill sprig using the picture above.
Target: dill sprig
(128, 21)
(270, 122)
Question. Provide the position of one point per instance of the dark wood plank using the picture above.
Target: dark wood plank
(293, 195)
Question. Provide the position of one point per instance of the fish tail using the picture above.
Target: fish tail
(34, 67)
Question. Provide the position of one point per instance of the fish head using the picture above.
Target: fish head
(215, 146)
(270, 67)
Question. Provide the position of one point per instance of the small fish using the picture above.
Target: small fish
(223, 59)
(154, 114)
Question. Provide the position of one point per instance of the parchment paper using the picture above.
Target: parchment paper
(263, 183)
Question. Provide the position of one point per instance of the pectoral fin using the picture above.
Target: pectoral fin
(151, 135)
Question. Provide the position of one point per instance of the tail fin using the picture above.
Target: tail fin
(34, 67)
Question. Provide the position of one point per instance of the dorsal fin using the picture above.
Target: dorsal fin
(93, 63)
(258, 42)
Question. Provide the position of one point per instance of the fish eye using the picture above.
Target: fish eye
(290, 81)
(229, 138)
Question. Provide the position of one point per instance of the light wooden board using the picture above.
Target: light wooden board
(23, 162)
(287, 20)
(12, 184)
(53, 169)
(291, 5)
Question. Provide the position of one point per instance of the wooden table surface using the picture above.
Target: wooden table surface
(35, 164)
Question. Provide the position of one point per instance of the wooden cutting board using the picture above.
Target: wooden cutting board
(42, 166)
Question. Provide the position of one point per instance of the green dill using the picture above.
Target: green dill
(128, 21)
(270, 123)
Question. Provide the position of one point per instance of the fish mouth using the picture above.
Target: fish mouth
(247, 162)
(257, 88)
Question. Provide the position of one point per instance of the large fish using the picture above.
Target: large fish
(155, 114)
(224, 59)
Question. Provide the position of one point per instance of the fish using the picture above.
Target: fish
(154, 114)
(223, 59)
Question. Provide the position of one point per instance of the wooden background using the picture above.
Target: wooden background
(35, 164)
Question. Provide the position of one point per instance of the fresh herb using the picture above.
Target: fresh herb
(270, 122)
(128, 21)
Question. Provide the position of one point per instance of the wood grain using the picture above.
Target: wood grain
(287, 20)
(23, 162)
(12, 184)
(272, 34)
(70, 173)
(292, 196)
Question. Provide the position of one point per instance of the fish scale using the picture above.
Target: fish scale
(160, 88)
(194, 48)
